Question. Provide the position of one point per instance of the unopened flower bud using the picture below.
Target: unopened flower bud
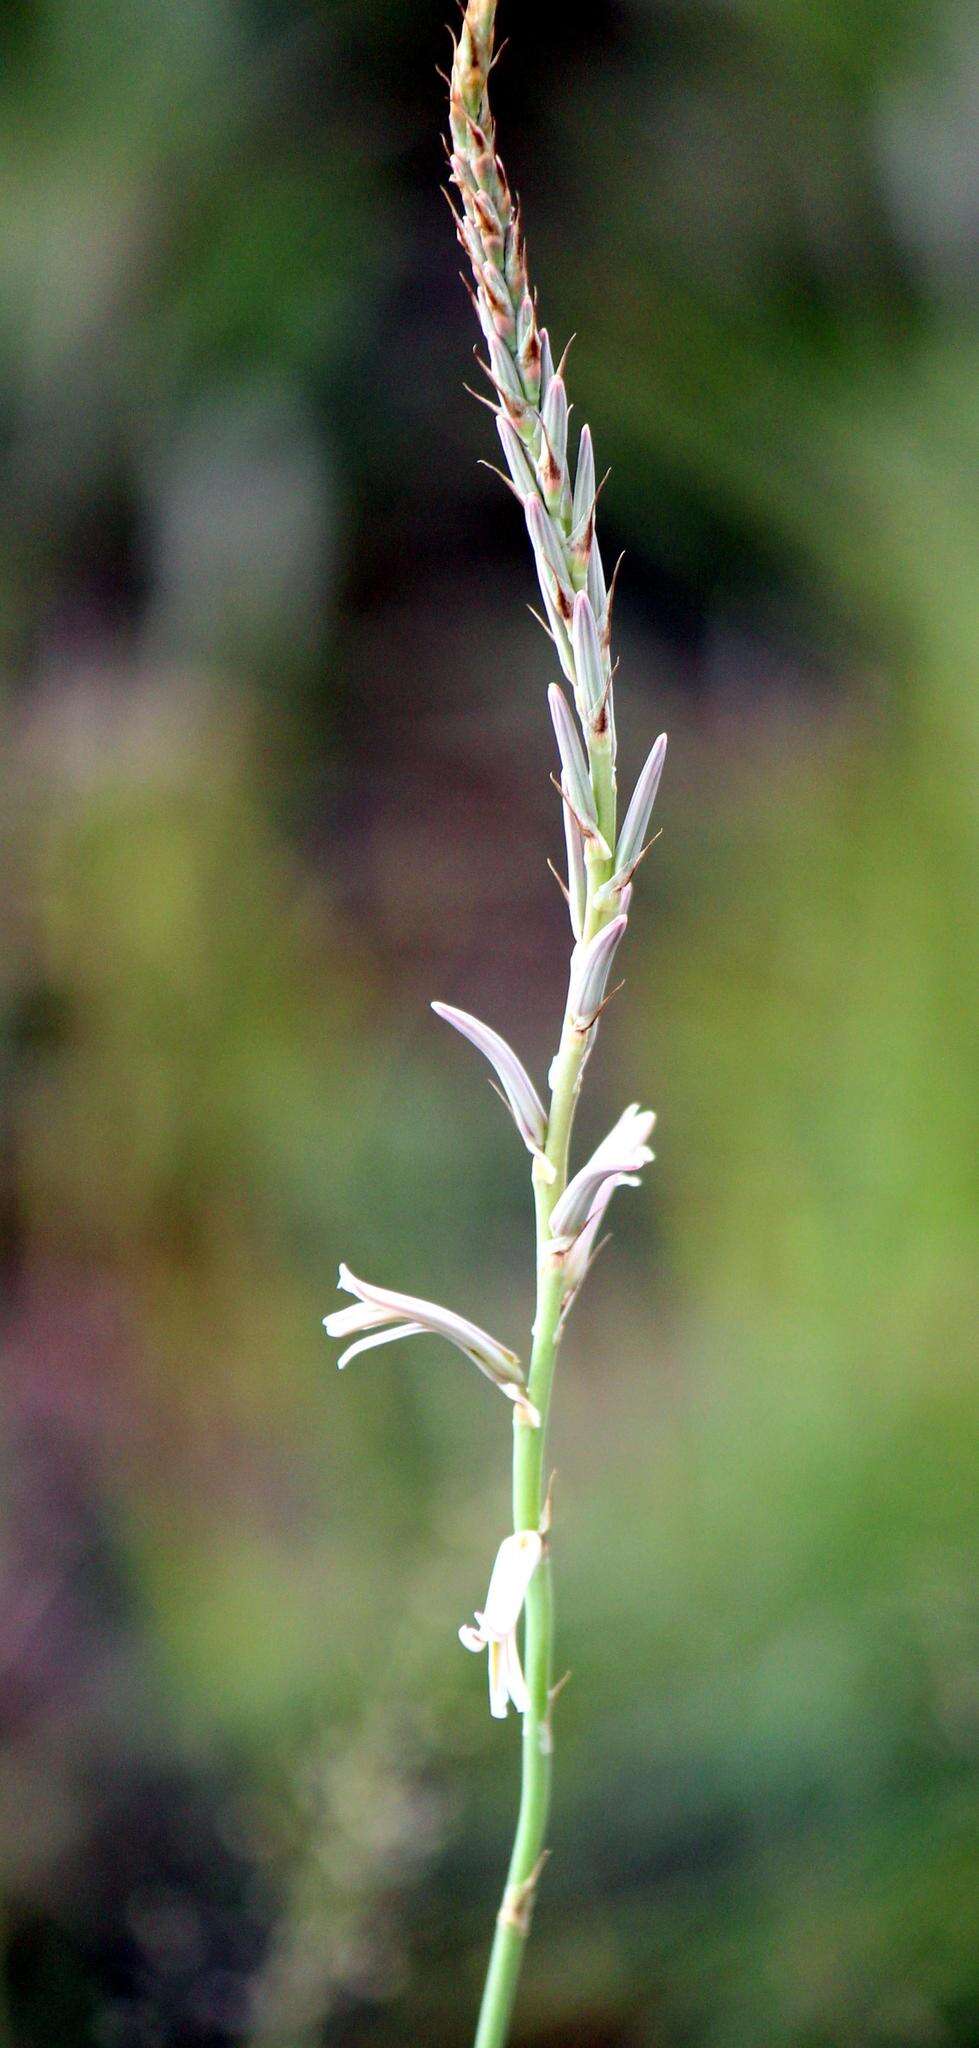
(590, 971)
(633, 833)
(574, 766)
(526, 1106)
(588, 658)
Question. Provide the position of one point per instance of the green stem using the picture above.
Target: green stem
(513, 1918)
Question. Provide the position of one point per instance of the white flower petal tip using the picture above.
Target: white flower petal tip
(525, 1105)
(388, 1316)
(496, 1627)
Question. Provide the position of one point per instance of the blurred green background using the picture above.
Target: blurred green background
(274, 773)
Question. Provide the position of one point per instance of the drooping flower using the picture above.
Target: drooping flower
(388, 1316)
(496, 1627)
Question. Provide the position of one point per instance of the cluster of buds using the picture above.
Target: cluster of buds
(530, 397)
(530, 403)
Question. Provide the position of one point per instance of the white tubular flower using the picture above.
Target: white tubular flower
(525, 1104)
(390, 1316)
(496, 1627)
(616, 1162)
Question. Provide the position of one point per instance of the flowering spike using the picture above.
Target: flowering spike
(618, 1159)
(590, 971)
(531, 406)
(575, 773)
(528, 1110)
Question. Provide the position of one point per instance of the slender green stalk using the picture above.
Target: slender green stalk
(532, 412)
(530, 404)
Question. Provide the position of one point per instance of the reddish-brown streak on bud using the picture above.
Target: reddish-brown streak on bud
(483, 169)
(514, 408)
(580, 550)
(499, 303)
(530, 354)
(488, 219)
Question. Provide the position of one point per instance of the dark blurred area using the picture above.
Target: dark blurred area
(274, 774)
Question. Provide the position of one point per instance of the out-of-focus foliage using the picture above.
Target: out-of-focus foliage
(274, 773)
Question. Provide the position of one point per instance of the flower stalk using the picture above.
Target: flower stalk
(529, 398)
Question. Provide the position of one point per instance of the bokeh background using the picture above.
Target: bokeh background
(274, 773)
